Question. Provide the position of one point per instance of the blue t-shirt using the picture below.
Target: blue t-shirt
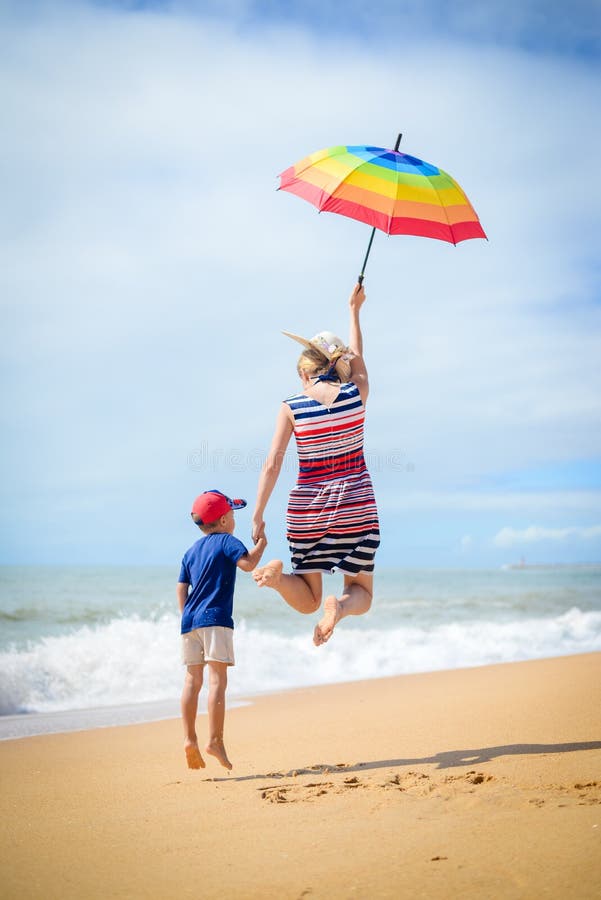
(209, 567)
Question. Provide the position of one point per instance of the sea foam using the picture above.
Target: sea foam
(135, 660)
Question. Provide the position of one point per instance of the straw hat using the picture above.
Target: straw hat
(332, 347)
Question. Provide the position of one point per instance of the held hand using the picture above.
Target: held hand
(357, 298)
(258, 529)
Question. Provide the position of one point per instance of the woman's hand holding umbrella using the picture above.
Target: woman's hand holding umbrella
(357, 298)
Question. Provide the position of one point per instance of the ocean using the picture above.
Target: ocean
(88, 647)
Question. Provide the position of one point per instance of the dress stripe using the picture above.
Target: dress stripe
(332, 519)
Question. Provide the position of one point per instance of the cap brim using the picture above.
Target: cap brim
(237, 503)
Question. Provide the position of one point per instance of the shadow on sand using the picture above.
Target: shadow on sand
(446, 759)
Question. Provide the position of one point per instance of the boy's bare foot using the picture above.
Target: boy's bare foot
(269, 574)
(195, 760)
(331, 615)
(217, 749)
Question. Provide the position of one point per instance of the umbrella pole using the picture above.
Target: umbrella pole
(373, 231)
(362, 275)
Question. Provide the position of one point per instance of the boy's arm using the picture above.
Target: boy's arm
(182, 594)
(251, 559)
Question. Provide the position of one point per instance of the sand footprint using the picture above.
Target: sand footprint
(478, 777)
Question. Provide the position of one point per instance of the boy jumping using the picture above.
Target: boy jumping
(205, 594)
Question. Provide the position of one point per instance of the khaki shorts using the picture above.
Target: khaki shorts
(212, 644)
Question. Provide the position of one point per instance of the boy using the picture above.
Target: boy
(205, 594)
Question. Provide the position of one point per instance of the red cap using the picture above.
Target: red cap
(211, 505)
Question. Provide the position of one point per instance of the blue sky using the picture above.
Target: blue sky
(540, 26)
(148, 266)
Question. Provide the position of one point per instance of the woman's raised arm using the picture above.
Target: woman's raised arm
(358, 368)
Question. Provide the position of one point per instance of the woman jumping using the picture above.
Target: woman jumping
(332, 518)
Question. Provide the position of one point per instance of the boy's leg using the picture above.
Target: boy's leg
(301, 592)
(217, 686)
(189, 705)
(354, 601)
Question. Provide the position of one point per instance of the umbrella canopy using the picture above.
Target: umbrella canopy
(389, 190)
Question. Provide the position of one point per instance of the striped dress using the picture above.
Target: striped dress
(332, 519)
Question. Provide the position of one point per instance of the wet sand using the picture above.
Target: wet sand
(474, 783)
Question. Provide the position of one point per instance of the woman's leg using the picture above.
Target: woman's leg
(355, 601)
(217, 686)
(189, 704)
(301, 592)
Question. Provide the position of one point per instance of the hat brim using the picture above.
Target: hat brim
(304, 342)
(238, 503)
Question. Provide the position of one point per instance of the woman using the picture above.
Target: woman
(332, 519)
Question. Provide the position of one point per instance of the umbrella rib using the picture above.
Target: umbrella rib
(444, 209)
(354, 169)
(394, 199)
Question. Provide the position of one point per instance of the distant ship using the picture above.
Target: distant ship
(522, 564)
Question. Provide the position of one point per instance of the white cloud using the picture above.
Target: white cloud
(511, 537)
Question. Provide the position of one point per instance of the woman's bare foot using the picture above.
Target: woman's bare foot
(269, 575)
(193, 757)
(331, 615)
(217, 749)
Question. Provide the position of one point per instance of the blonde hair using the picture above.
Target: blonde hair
(312, 362)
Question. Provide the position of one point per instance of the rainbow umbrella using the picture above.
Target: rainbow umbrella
(389, 190)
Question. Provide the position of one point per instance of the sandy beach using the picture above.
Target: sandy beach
(482, 782)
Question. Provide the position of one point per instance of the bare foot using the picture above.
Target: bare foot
(217, 749)
(331, 615)
(195, 760)
(269, 574)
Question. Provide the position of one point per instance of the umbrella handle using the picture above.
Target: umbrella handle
(362, 275)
